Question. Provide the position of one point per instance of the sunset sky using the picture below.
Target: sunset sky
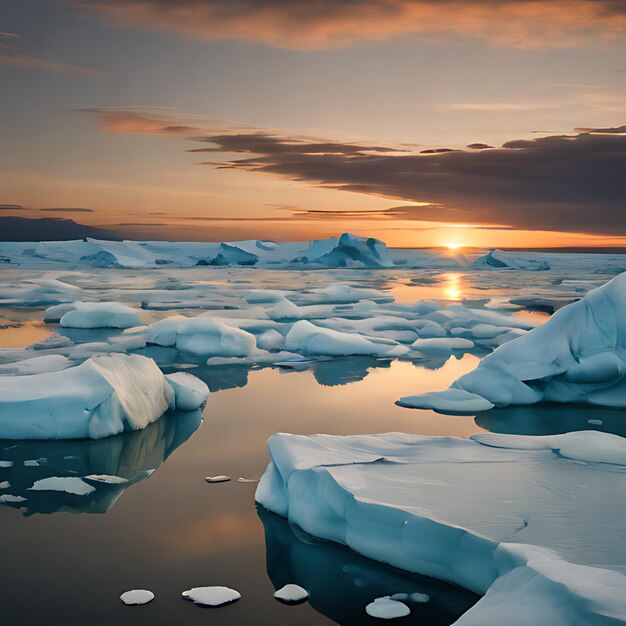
(495, 123)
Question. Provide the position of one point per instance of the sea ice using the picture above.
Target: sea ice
(69, 484)
(217, 479)
(450, 401)
(211, 596)
(532, 524)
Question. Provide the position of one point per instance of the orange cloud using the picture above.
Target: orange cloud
(18, 58)
(321, 24)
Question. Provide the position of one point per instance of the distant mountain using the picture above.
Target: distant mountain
(14, 228)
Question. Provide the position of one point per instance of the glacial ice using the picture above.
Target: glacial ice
(103, 396)
(533, 524)
(578, 355)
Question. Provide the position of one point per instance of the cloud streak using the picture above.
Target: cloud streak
(323, 24)
(15, 57)
(571, 183)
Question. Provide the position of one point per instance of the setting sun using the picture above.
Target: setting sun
(453, 246)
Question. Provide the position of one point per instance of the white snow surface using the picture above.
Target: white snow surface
(578, 355)
(103, 396)
(68, 484)
(533, 523)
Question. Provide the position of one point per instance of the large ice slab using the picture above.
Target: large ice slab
(496, 259)
(534, 523)
(579, 355)
(103, 396)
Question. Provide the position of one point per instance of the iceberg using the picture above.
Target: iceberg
(578, 355)
(201, 336)
(102, 396)
(496, 259)
(347, 251)
(512, 518)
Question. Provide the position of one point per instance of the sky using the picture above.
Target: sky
(492, 123)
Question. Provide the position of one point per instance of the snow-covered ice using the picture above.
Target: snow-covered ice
(532, 523)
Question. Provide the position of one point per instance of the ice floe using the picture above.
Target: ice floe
(69, 484)
(190, 393)
(211, 596)
(533, 524)
(137, 597)
(97, 315)
(103, 396)
(386, 608)
(291, 594)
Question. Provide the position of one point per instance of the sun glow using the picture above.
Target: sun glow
(453, 246)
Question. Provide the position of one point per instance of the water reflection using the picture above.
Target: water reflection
(552, 419)
(341, 583)
(129, 456)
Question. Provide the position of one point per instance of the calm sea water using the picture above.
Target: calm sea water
(67, 558)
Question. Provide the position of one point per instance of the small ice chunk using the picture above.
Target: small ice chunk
(595, 422)
(400, 597)
(421, 598)
(386, 608)
(8, 498)
(31, 463)
(137, 596)
(211, 596)
(241, 479)
(291, 594)
(217, 479)
(5, 484)
(6, 463)
(100, 315)
(69, 484)
(105, 478)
